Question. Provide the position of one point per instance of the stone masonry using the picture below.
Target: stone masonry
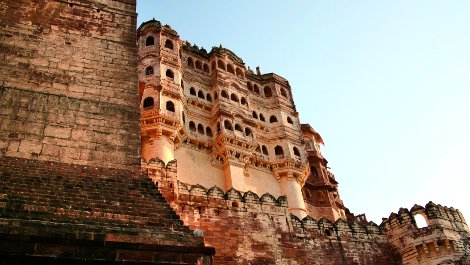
(126, 145)
(71, 191)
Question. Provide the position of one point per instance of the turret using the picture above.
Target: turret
(160, 88)
(321, 188)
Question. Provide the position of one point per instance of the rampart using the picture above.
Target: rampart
(246, 228)
(445, 239)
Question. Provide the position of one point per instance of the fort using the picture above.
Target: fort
(125, 144)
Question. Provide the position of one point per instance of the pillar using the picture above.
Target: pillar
(234, 177)
(293, 191)
(160, 147)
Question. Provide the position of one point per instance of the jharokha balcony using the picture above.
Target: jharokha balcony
(152, 118)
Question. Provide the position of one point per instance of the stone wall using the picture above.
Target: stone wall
(246, 228)
(444, 239)
(68, 82)
(251, 229)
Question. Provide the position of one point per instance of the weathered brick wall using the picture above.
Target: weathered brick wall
(248, 229)
(88, 213)
(68, 82)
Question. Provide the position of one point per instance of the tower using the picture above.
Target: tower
(225, 125)
(160, 90)
(321, 188)
(71, 190)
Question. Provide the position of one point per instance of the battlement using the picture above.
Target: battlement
(442, 235)
(435, 215)
(250, 202)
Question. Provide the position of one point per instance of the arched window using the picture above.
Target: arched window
(261, 117)
(313, 171)
(238, 127)
(256, 89)
(200, 94)
(192, 126)
(239, 72)
(148, 102)
(213, 65)
(192, 91)
(283, 92)
(420, 220)
(218, 126)
(224, 94)
(230, 69)
(170, 74)
(255, 115)
(228, 125)
(321, 197)
(296, 151)
(258, 149)
(243, 101)
(198, 65)
(190, 62)
(208, 97)
(216, 95)
(149, 41)
(209, 131)
(206, 68)
(200, 129)
(234, 97)
(149, 70)
(170, 106)
(268, 92)
(278, 151)
(220, 64)
(265, 150)
(169, 44)
(289, 120)
(184, 118)
(308, 144)
(247, 131)
(250, 87)
(272, 119)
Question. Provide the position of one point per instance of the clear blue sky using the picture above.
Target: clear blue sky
(386, 84)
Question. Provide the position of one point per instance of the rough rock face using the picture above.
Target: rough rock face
(70, 187)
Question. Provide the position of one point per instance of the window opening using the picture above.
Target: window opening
(150, 41)
(148, 102)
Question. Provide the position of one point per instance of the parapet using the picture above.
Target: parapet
(231, 195)
(234, 200)
(156, 25)
(338, 229)
(434, 214)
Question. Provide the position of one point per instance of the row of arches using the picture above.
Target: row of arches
(278, 151)
(233, 97)
(267, 90)
(168, 73)
(200, 129)
(200, 94)
(149, 102)
(150, 41)
(196, 64)
(228, 67)
(272, 118)
(238, 128)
